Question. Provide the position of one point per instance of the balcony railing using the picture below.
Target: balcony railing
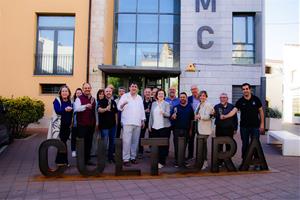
(53, 64)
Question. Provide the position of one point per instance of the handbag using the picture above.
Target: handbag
(54, 125)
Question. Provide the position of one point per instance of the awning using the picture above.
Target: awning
(149, 71)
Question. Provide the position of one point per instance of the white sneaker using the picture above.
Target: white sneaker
(205, 165)
(73, 154)
(160, 166)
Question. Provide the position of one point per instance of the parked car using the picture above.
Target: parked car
(5, 137)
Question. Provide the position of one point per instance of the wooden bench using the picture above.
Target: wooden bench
(290, 142)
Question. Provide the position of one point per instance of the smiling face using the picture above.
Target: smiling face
(86, 89)
(223, 99)
(246, 90)
(195, 91)
(147, 93)
(183, 99)
(203, 97)
(65, 93)
(160, 95)
(172, 92)
(133, 89)
(78, 93)
(108, 93)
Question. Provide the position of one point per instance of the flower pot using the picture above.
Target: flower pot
(275, 124)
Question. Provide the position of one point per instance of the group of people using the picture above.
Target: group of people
(130, 116)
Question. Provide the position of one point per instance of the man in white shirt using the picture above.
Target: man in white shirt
(133, 117)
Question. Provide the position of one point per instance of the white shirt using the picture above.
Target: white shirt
(133, 112)
(158, 119)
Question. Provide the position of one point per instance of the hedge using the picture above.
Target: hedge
(20, 112)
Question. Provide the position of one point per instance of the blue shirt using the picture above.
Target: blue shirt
(185, 115)
(173, 102)
(66, 117)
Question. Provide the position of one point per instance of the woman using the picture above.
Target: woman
(63, 107)
(203, 114)
(100, 96)
(159, 124)
(77, 93)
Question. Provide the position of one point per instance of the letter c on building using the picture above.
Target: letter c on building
(199, 37)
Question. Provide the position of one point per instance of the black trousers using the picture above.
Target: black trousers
(73, 138)
(163, 151)
(191, 142)
(64, 134)
(142, 135)
(220, 132)
(86, 132)
(119, 128)
(176, 134)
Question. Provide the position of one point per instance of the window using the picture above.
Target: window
(243, 49)
(50, 88)
(147, 33)
(55, 45)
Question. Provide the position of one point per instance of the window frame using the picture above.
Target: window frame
(56, 29)
(158, 43)
(246, 15)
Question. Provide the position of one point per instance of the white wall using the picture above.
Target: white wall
(215, 73)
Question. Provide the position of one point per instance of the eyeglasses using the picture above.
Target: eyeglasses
(223, 97)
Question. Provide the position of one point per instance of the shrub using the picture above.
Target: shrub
(273, 113)
(297, 114)
(20, 112)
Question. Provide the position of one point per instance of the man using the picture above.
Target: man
(84, 106)
(225, 127)
(113, 89)
(121, 91)
(133, 117)
(153, 94)
(172, 99)
(252, 117)
(147, 102)
(193, 100)
(182, 116)
(108, 117)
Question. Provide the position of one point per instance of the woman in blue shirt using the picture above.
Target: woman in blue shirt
(63, 107)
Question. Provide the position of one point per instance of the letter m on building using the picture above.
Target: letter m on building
(205, 5)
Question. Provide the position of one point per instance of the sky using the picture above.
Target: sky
(282, 26)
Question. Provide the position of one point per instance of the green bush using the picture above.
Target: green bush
(273, 113)
(20, 112)
(297, 114)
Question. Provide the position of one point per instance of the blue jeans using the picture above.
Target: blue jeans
(109, 136)
(246, 134)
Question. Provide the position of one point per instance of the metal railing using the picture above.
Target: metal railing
(54, 64)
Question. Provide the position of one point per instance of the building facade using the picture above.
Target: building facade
(215, 44)
(154, 42)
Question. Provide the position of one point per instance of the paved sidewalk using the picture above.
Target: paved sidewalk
(19, 172)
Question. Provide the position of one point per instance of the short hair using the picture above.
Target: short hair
(183, 93)
(86, 83)
(108, 88)
(147, 88)
(60, 90)
(160, 90)
(246, 84)
(194, 86)
(133, 83)
(122, 88)
(224, 94)
(98, 93)
(203, 92)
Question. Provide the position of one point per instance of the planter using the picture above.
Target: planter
(274, 124)
(296, 119)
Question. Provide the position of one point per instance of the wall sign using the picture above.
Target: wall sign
(205, 5)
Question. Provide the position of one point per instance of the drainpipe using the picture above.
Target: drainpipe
(88, 45)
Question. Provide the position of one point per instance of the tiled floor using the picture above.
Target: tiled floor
(20, 179)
